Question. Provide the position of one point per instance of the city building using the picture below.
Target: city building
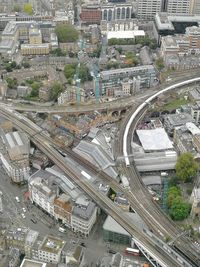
(195, 201)
(147, 139)
(35, 36)
(113, 232)
(84, 215)
(111, 79)
(63, 209)
(70, 95)
(146, 10)
(174, 120)
(166, 24)
(32, 263)
(195, 112)
(115, 11)
(38, 49)
(90, 14)
(15, 156)
(183, 140)
(50, 249)
(42, 192)
(178, 6)
(76, 256)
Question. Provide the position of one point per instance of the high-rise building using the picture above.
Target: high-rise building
(146, 9)
(178, 6)
(195, 6)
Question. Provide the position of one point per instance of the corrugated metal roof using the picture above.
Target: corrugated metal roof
(18, 138)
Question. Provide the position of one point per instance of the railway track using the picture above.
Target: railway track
(41, 142)
(183, 244)
(139, 198)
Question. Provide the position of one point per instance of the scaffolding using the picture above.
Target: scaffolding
(165, 190)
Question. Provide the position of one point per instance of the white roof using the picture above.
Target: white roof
(154, 139)
(192, 128)
(125, 34)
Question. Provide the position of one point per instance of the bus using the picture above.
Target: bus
(132, 251)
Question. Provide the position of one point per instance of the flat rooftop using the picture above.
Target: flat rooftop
(154, 139)
(52, 244)
(32, 263)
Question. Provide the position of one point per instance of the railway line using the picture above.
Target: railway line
(163, 258)
(136, 185)
(138, 197)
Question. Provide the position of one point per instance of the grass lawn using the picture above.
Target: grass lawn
(175, 104)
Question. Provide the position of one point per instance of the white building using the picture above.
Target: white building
(84, 215)
(15, 158)
(41, 194)
(50, 249)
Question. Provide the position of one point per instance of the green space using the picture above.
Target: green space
(186, 170)
(66, 33)
(177, 103)
(144, 41)
(71, 69)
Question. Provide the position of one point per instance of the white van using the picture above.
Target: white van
(62, 230)
(17, 199)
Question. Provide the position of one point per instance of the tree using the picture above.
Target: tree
(186, 167)
(173, 193)
(26, 65)
(28, 9)
(56, 89)
(66, 33)
(13, 64)
(179, 210)
(69, 71)
(160, 63)
(16, 8)
(12, 83)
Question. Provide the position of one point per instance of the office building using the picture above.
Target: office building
(116, 11)
(195, 7)
(41, 192)
(147, 9)
(84, 215)
(15, 157)
(178, 6)
(50, 249)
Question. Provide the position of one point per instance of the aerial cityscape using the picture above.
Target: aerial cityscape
(99, 133)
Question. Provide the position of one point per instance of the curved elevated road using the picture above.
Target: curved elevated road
(137, 187)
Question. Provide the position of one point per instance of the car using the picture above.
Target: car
(17, 199)
(24, 210)
(83, 244)
(23, 216)
(33, 220)
(111, 251)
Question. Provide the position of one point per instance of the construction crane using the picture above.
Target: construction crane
(77, 80)
(96, 81)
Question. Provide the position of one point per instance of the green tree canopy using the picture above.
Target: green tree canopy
(160, 63)
(186, 167)
(66, 33)
(179, 210)
(28, 9)
(16, 8)
(56, 89)
(84, 73)
(12, 83)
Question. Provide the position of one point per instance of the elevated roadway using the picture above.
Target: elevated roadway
(105, 106)
(158, 253)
